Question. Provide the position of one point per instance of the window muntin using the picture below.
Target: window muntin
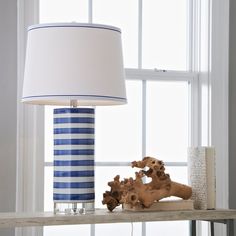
(48, 137)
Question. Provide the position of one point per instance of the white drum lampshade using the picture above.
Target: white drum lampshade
(67, 62)
(74, 64)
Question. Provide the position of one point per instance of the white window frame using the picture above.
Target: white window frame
(30, 123)
(210, 102)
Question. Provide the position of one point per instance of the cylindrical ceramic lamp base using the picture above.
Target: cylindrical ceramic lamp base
(73, 186)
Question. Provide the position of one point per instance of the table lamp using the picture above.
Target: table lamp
(72, 65)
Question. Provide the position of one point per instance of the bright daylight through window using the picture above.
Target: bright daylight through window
(157, 119)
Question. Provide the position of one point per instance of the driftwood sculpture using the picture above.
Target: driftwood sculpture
(134, 191)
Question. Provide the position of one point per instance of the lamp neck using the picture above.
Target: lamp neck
(73, 103)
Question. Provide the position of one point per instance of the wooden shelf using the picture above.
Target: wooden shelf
(103, 216)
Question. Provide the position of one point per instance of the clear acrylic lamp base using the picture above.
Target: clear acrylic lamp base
(73, 208)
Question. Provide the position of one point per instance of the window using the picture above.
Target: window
(158, 119)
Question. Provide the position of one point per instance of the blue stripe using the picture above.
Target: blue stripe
(73, 185)
(73, 141)
(74, 163)
(77, 96)
(84, 173)
(74, 131)
(74, 25)
(73, 110)
(79, 197)
(87, 120)
(74, 152)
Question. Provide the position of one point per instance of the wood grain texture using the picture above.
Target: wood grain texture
(100, 216)
(171, 205)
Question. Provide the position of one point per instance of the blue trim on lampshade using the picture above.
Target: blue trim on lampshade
(82, 173)
(76, 96)
(74, 141)
(74, 163)
(73, 110)
(76, 25)
(73, 185)
(73, 197)
(74, 130)
(74, 152)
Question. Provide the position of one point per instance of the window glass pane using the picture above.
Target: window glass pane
(177, 173)
(71, 230)
(169, 228)
(118, 128)
(63, 11)
(119, 229)
(48, 188)
(48, 131)
(123, 14)
(204, 228)
(165, 34)
(167, 120)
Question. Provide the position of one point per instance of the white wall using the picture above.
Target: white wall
(232, 107)
(8, 111)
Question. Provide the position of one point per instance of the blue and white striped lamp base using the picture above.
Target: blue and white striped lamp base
(73, 158)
